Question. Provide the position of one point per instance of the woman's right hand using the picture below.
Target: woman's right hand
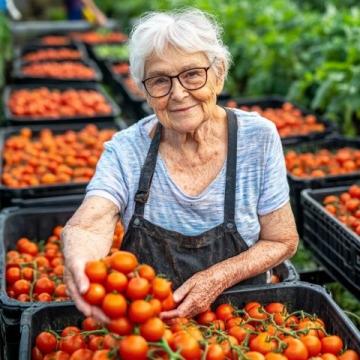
(87, 236)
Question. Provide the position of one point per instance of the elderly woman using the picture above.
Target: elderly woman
(202, 190)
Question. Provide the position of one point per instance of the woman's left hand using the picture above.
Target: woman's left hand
(197, 293)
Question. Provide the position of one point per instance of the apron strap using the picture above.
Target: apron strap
(147, 173)
(230, 187)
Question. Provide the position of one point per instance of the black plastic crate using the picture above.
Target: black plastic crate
(34, 220)
(26, 120)
(20, 52)
(8, 194)
(334, 244)
(19, 77)
(297, 184)
(297, 296)
(276, 102)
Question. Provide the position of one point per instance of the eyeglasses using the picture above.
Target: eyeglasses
(191, 79)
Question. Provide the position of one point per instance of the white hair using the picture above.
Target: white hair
(189, 30)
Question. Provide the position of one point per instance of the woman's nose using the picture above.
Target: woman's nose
(177, 90)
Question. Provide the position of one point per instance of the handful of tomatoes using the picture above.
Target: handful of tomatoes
(133, 296)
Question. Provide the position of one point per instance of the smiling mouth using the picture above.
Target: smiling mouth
(183, 109)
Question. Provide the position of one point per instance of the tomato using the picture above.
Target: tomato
(235, 321)
(187, 346)
(275, 308)
(46, 342)
(21, 287)
(138, 288)
(102, 355)
(44, 285)
(238, 332)
(71, 343)
(90, 323)
(140, 311)
(328, 356)
(206, 317)
(58, 355)
(82, 354)
(295, 350)
(218, 324)
(261, 343)
(43, 297)
(224, 312)
(114, 305)
(156, 305)
(147, 272)
(96, 271)
(168, 303)
(215, 352)
(152, 329)
(275, 356)
(95, 294)
(95, 342)
(331, 344)
(133, 347)
(116, 281)
(121, 326)
(312, 343)
(13, 274)
(255, 311)
(36, 354)
(349, 355)
(161, 288)
(60, 290)
(254, 355)
(110, 342)
(123, 261)
(70, 330)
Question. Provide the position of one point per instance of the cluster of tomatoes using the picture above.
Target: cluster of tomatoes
(34, 271)
(346, 207)
(55, 40)
(323, 162)
(52, 54)
(59, 70)
(95, 37)
(255, 332)
(52, 158)
(288, 119)
(44, 102)
(123, 69)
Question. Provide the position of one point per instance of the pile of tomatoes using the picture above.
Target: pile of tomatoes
(52, 54)
(288, 119)
(346, 207)
(52, 158)
(133, 296)
(59, 70)
(323, 162)
(123, 69)
(55, 40)
(96, 37)
(44, 102)
(34, 271)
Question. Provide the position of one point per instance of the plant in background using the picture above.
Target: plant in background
(5, 46)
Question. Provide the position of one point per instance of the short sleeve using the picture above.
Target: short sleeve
(109, 180)
(274, 191)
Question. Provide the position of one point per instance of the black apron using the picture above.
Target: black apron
(177, 256)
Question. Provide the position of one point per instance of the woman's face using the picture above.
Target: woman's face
(183, 110)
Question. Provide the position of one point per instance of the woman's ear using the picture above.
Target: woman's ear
(220, 77)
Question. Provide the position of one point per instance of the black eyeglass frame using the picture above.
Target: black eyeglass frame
(178, 77)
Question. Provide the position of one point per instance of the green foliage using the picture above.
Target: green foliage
(306, 50)
(5, 46)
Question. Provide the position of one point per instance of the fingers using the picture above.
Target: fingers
(80, 303)
(183, 290)
(78, 271)
(166, 315)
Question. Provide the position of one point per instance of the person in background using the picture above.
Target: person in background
(80, 9)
